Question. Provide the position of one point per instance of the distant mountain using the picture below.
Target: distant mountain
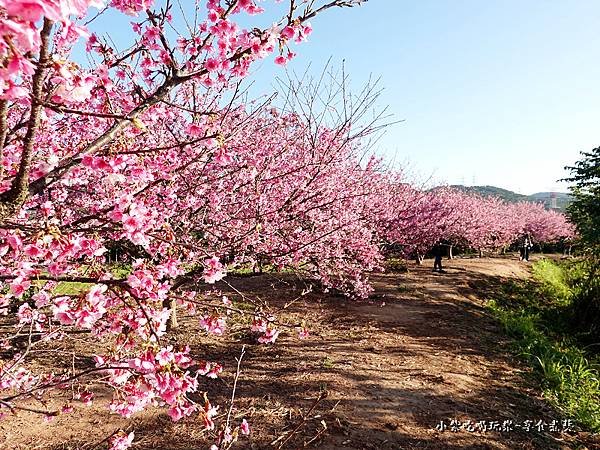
(554, 200)
(562, 199)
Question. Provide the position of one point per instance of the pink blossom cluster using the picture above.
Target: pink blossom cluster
(19, 29)
(267, 333)
(121, 440)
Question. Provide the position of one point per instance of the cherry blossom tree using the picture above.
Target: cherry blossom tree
(105, 154)
(293, 190)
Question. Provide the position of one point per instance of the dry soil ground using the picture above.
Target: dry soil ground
(422, 350)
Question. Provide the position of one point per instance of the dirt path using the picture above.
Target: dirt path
(421, 351)
(433, 354)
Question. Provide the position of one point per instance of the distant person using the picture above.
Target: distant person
(438, 253)
(526, 245)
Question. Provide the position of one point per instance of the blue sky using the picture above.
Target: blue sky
(504, 93)
(498, 92)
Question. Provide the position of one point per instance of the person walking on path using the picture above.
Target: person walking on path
(438, 253)
(525, 247)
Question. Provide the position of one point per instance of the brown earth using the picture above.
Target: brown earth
(422, 350)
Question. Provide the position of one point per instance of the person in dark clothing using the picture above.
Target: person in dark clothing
(438, 251)
(525, 247)
(521, 252)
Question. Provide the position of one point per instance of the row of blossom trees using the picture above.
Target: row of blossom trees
(151, 149)
(455, 217)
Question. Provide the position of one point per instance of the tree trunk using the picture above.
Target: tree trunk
(481, 253)
(173, 316)
(13, 199)
(419, 259)
(172, 323)
(450, 256)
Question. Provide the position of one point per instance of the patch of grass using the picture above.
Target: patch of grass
(535, 316)
(403, 288)
(241, 270)
(70, 288)
(552, 280)
(328, 363)
(516, 323)
(249, 269)
(121, 270)
(396, 265)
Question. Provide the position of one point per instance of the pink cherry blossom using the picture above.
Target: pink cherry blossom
(214, 270)
(121, 441)
(213, 325)
(269, 336)
(288, 32)
(303, 333)
(245, 427)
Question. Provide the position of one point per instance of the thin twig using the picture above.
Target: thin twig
(320, 398)
(235, 380)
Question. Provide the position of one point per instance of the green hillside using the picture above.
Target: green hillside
(562, 199)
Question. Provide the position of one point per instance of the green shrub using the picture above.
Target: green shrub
(535, 316)
(552, 279)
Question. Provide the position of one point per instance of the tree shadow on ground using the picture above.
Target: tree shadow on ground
(392, 372)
